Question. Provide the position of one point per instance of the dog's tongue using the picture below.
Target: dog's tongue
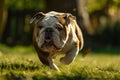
(48, 40)
(48, 43)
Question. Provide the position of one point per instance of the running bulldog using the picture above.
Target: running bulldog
(56, 33)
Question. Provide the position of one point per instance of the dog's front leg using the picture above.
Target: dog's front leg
(47, 60)
(51, 64)
(70, 56)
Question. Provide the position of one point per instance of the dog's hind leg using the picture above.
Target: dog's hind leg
(70, 56)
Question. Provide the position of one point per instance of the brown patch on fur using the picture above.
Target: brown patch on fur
(78, 32)
(63, 22)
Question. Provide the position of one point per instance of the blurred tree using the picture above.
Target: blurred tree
(82, 12)
(1, 17)
(105, 19)
(103, 12)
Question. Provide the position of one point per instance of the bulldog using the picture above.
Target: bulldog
(56, 33)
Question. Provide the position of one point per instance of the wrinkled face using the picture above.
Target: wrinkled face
(51, 31)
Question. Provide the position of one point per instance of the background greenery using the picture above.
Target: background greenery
(104, 19)
(99, 59)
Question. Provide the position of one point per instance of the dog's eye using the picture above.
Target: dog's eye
(59, 28)
(40, 27)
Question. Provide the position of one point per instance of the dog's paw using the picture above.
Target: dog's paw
(65, 60)
(54, 67)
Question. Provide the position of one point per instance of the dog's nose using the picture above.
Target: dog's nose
(48, 33)
(49, 30)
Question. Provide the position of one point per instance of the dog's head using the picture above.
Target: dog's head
(51, 30)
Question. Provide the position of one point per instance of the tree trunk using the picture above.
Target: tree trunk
(85, 16)
(1, 17)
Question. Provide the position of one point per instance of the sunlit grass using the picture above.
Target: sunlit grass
(22, 63)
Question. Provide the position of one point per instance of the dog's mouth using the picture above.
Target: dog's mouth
(48, 44)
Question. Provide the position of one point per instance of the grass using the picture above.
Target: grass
(22, 63)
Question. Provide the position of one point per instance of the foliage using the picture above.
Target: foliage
(115, 3)
(93, 5)
(21, 66)
(25, 4)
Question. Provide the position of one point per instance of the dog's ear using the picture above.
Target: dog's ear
(37, 17)
(65, 18)
(68, 17)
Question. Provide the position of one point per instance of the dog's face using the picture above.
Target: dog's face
(51, 30)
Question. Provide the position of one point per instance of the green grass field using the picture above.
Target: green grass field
(22, 63)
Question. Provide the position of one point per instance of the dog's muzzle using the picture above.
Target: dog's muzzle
(48, 34)
(48, 37)
(48, 40)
